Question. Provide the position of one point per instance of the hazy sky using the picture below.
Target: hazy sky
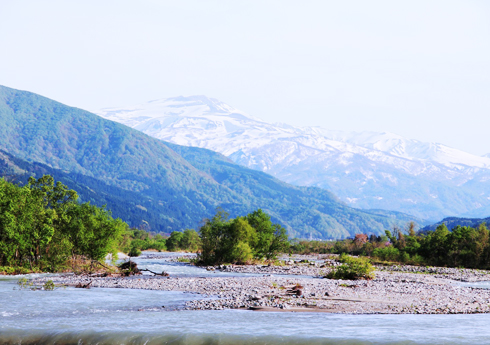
(420, 69)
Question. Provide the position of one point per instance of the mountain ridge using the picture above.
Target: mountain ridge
(37, 129)
(366, 170)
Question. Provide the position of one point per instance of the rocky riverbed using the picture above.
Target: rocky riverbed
(396, 289)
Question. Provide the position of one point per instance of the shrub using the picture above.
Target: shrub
(49, 286)
(240, 240)
(389, 253)
(352, 269)
(134, 252)
(14, 270)
(241, 253)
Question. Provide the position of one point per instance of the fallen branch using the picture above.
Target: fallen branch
(83, 286)
(164, 274)
(100, 263)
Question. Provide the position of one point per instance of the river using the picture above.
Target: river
(123, 316)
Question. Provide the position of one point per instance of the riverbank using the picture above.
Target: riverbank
(395, 290)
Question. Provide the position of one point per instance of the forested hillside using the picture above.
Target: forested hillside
(452, 222)
(183, 185)
(135, 208)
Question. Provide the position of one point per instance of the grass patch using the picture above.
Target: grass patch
(9, 270)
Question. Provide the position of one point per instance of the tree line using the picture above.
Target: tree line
(42, 226)
(464, 246)
(136, 240)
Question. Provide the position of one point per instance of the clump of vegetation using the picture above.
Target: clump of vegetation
(134, 251)
(183, 259)
(241, 240)
(462, 247)
(43, 226)
(24, 283)
(49, 285)
(352, 269)
(137, 240)
(9, 270)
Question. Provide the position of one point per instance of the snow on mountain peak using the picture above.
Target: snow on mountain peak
(207, 122)
(314, 156)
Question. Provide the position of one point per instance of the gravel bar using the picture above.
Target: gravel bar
(395, 290)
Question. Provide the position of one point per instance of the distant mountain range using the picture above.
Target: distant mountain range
(159, 185)
(366, 170)
(452, 222)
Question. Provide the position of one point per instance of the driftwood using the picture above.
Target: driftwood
(295, 290)
(129, 268)
(164, 274)
(100, 263)
(83, 286)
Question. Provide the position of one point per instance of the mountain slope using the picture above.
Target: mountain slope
(188, 183)
(135, 208)
(452, 222)
(366, 170)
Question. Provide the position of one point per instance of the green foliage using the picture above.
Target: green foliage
(464, 246)
(134, 241)
(134, 251)
(42, 226)
(93, 232)
(24, 283)
(157, 185)
(388, 253)
(48, 285)
(14, 270)
(184, 259)
(270, 238)
(173, 242)
(190, 241)
(352, 269)
(241, 239)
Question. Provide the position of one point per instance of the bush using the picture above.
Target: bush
(352, 269)
(8, 270)
(241, 240)
(134, 252)
(389, 253)
(241, 253)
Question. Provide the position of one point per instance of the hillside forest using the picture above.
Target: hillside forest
(43, 227)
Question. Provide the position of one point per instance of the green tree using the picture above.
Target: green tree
(43, 225)
(271, 238)
(433, 246)
(26, 225)
(190, 240)
(241, 239)
(174, 242)
(93, 232)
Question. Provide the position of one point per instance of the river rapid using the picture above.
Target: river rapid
(124, 316)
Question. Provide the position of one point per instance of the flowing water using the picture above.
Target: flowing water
(123, 316)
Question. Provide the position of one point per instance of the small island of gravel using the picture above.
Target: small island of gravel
(299, 286)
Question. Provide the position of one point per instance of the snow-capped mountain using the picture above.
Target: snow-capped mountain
(367, 170)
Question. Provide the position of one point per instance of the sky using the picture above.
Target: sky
(417, 68)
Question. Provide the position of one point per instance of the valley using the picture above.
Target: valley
(365, 170)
